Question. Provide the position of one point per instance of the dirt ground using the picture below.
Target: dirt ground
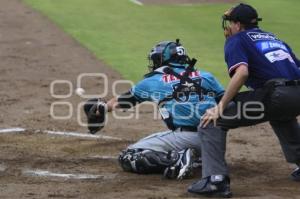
(33, 53)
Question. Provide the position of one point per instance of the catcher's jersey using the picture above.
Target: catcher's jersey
(266, 56)
(158, 85)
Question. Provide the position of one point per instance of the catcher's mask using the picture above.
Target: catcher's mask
(243, 13)
(167, 53)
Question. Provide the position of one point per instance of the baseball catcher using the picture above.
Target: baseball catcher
(182, 94)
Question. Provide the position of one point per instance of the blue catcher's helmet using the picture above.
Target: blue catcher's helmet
(167, 53)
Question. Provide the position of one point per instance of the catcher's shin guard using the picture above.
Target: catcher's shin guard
(173, 164)
(144, 161)
(183, 167)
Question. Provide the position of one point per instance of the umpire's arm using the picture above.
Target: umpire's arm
(237, 81)
(235, 84)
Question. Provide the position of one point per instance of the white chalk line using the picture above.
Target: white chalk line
(136, 2)
(104, 157)
(12, 130)
(75, 134)
(61, 133)
(45, 173)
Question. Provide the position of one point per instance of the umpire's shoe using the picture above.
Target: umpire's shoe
(183, 167)
(213, 186)
(296, 175)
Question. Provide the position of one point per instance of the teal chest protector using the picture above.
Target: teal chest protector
(182, 91)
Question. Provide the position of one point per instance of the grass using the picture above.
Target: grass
(121, 33)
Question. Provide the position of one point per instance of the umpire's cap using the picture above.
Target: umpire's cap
(243, 13)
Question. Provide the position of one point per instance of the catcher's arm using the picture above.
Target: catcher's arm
(112, 104)
(124, 101)
(96, 109)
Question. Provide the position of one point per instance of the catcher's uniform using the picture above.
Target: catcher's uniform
(274, 77)
(181, 115)
(185, 116)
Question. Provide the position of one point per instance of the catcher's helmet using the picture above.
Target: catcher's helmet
(167, 53)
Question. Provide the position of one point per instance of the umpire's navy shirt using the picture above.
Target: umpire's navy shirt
(266, 57)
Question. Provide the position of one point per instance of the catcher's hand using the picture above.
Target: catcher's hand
(95, 110)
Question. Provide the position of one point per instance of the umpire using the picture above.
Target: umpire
(267, 65)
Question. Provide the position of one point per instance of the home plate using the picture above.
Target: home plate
(45, 173)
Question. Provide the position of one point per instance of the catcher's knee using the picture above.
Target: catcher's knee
(144, 161)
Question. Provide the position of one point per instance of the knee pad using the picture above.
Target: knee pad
(146, 161)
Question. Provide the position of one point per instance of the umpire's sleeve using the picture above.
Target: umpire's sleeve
(297, 61)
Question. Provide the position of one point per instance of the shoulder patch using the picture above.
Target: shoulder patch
(255, 36)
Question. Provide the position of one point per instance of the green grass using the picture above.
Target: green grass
(121, 33)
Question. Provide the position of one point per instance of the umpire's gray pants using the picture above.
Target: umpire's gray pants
(169, 140)
(213, 142)
(283, 109)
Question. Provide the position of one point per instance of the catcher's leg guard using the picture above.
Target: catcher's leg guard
(183, 167)
(173, 164)
(144, 161)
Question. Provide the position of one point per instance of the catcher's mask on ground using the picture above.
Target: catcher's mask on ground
(167, 52)
(245, 14)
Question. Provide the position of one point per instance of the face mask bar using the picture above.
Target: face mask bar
(225, 20)
(225, 25)
(156, 57)
(154, 61)
(150, 65)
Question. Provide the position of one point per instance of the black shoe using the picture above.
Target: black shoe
(213, 186)
(296, 175)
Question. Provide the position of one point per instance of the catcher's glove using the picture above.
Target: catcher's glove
(95, 110)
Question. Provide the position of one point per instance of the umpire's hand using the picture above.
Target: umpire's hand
(210, 115)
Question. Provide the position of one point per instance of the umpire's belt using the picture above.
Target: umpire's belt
(287, 83)
(188, 128)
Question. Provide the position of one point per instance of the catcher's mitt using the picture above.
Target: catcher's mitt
(95, 110)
